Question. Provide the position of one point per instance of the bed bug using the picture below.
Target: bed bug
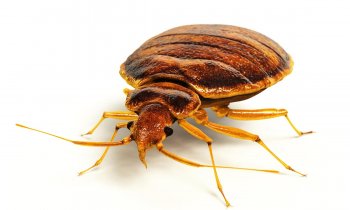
(182, 71)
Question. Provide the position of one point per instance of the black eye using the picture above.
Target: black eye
(129, 124)
(168, 131)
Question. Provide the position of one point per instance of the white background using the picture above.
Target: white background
(59, 63)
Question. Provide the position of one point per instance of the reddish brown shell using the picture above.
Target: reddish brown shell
(217, 61)
(180, 101)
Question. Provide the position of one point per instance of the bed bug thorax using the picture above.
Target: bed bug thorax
(158, 106)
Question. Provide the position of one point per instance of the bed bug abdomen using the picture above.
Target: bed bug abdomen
(217, 61)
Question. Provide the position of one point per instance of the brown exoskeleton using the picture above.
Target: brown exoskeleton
(179, 73)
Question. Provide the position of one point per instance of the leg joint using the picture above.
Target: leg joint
(283, 111)
(257, 139)
(160, 147)
(201, 117)
(221, 111)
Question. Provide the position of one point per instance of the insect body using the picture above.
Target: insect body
(186, 69)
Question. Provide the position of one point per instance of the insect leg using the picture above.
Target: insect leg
(120, 115)
(99, 161)
(202, 118)
(191, 163)
(194, 164)
(257, 114)
(202, 136)
(124, 141)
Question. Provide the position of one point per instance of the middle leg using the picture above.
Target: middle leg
(201, 117)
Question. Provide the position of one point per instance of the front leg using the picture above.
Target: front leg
(120, 115)
(99, 161)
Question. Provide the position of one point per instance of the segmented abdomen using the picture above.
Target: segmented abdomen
(217, 61)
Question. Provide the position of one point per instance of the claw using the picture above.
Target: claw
(308, 132)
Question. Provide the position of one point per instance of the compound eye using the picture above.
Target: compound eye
(168, 131)
(129, 124)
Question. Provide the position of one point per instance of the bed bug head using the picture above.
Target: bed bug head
(151, 127)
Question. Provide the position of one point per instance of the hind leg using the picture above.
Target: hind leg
(257, 114)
